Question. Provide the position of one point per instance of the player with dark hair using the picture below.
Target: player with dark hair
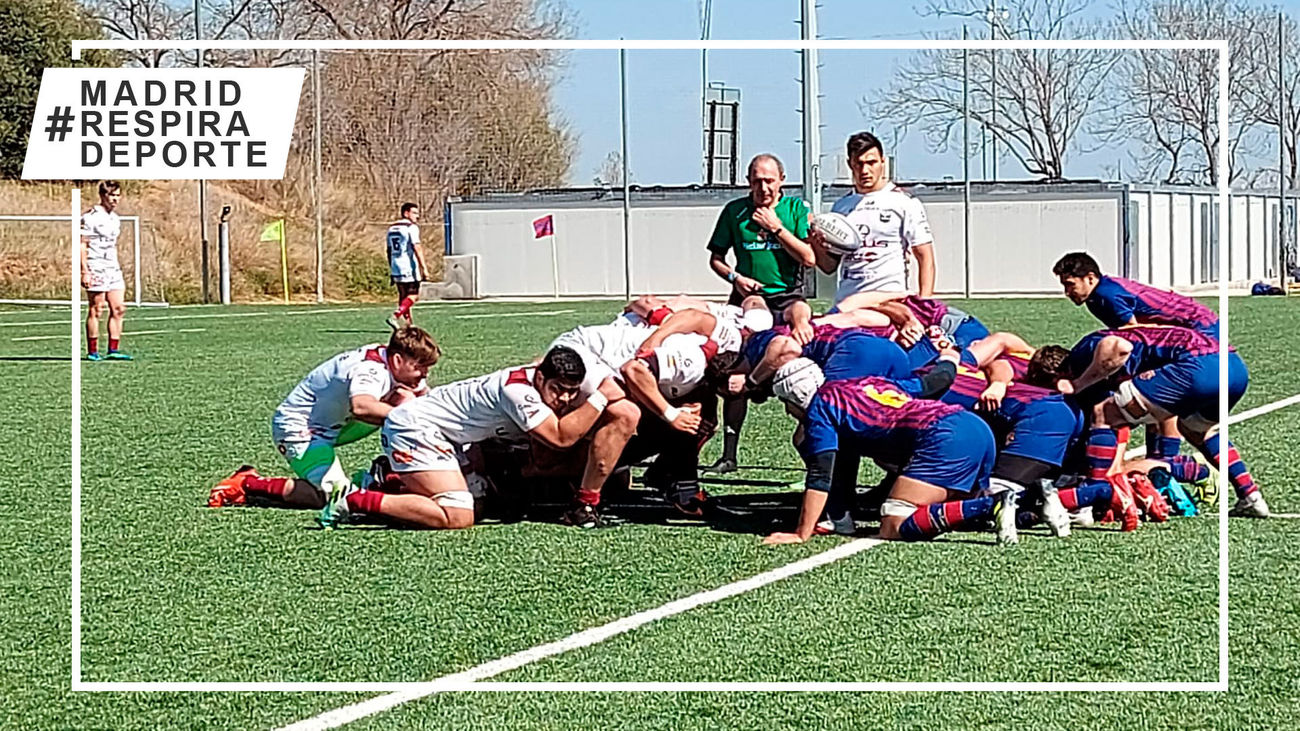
(891, 223)
(947, 454)
(342, 400)
(425, 438)
(101, 273)
(1156, 374)
(406, 265)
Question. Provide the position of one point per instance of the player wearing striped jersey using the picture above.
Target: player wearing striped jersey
(1118, 302)
(947, 454)
(340, 401)
(891, 224)
(425, 438)
(913, 315)
(1156, 374)
(406, 265)
(101, 274)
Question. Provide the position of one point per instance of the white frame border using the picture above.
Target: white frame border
(421, 688)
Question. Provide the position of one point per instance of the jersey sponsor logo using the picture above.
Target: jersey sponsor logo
(886, 216)
(889, 397)
(403, 457)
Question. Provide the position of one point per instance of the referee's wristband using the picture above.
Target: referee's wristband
(598, 401)
(671, 413)
(732, 276)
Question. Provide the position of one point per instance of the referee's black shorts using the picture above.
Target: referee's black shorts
(777, 302)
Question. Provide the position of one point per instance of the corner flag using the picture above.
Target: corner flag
(544, 226)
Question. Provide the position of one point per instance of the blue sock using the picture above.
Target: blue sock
(1085, 495)
(930, 520)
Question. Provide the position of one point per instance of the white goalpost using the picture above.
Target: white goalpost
(137, 288)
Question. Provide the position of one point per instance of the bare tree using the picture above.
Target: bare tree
(1168, 100)
(1262, 94)
(144, 20)
(1044, 97)
(610, 172)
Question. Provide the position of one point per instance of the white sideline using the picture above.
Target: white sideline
(348, 714)
(134, 334)
(530, 313)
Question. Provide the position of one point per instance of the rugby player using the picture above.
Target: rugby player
(1161, 373)
(425, 438)
(892, 225)
(101, 274)
(406, 266)
(948, 454)
(340, 401)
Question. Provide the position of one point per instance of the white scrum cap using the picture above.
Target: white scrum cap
(756, 319)
(797, 381)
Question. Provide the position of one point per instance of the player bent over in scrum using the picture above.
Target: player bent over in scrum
(424, 438)
(342, 400)
(949, 454)
(1160, 373)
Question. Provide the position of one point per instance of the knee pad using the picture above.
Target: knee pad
(897, 508)
(1133, 405)
(462, 499)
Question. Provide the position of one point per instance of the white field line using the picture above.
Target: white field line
(467, 680)
(134, 334)
(213, 315)
(530, 313)
(348, 714)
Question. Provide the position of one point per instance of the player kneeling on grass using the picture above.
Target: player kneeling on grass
(424, 438)
(342, 400)
(948, 452)
(1158, 373)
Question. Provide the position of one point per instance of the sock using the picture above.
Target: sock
(1185, 469)
(931, 520)
(1169, 446)
(92, 345)
(1087, 494)
(1238, 475)
(270, 486)
(589, 497)
(1102, 445)
(364, 501)
(1154, 445)
(404, 308)
(112, 344)
(733, 417)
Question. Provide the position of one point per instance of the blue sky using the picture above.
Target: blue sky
(664, 112)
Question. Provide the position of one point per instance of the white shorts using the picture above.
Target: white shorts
(597, 370)
(105, 277)
(415, 446)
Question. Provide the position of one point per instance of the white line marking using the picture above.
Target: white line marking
(531, 313)
(134, 334)
(1284, 516)
(1235, 419)
(348, 714)
(213, 315)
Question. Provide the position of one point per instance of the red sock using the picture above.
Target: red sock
(589, 497)
(112, 344)
(271, 486)
(404, 307)
(92, 345)
(365, 501)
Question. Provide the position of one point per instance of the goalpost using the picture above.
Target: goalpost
(137, 289)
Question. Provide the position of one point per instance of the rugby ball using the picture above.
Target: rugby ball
(837, 233)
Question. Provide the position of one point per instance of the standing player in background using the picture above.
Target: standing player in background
(767, 232)
(891, 223)
(101, 274)
(405, 262)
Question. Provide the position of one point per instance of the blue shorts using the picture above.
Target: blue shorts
(956, 453)
(1190, 387)
(1042, 429)
(922, 354)
(857, 355)
(965, 328)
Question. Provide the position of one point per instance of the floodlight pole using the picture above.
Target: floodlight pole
(627, 209)
(203, 185)
(1281, 152)
(965, 161)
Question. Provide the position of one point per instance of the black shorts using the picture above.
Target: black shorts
(777, 302)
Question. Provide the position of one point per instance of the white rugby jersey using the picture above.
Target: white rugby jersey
(503, 404)
(320, 405)
(402, 237)
(100, 228)
(614, 345)
(890, 222)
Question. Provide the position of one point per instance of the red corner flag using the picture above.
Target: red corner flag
(544, 226)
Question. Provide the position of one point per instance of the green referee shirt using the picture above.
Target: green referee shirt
(759, 255)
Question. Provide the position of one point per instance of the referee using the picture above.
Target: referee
(766, 231)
